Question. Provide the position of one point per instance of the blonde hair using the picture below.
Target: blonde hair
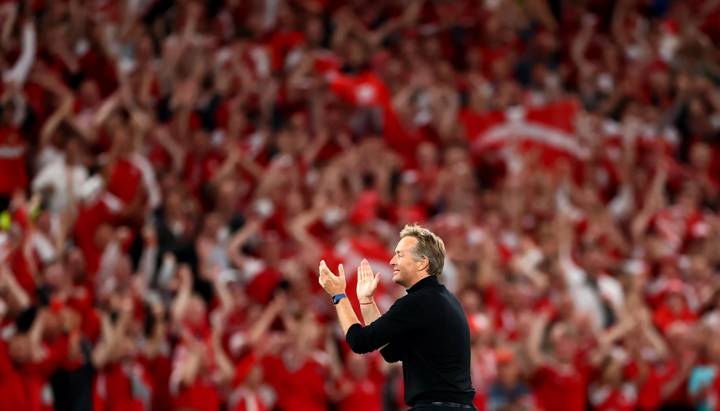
(429, 246)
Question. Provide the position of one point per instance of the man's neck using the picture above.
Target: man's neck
(420, 277)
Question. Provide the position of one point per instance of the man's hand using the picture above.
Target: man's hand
(331, 283)
(367, 282)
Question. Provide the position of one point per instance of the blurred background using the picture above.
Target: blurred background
(172, 172)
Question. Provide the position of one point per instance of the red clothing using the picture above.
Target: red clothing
(22, 385)
(408, 214)
(14, 385)
(281, 44)
(664, 316)
(115, 386)
(262, 285)
(199, 168)
(13, 174)
(243, 368)
(202, 395)
(125, 180)
(301, 389)
(158, 373)
(561, 389)
(90, 217)
(614, 399)
(648, 388)
(100, 69)
(82, 302)
(365, 90)
(247, 400)
(366, 395)
(21, 269)
(159, 369)
(668, 371)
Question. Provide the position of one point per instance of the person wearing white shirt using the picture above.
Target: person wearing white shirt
(61, 177)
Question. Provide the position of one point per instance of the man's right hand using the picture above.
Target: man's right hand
(367, 282)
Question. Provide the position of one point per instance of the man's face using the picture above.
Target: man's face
(508, 373)
(403, 262)
(19, 349)
(564, 343)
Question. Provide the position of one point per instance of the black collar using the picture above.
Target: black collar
(429, 281)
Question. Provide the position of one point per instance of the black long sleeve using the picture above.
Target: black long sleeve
(390, 353)
(427, 330)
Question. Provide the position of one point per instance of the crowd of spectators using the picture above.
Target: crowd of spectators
(172, 172)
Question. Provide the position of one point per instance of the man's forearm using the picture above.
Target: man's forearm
(346, 315)
(369, 310)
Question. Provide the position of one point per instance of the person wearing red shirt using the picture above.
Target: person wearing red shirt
(673, 373)
(26, 364)
(674, 308)
(612, 392)
(560, 380)
(298, 373)
(196, 370)
(704, 381)
(192, 379)
(508, 392)
(124, 385)
(123, 177)
(250, 392)
(359, 389)
(13, 174)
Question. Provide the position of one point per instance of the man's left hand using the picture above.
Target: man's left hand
(331, 283)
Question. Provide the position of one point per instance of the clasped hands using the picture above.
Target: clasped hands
(335, 284)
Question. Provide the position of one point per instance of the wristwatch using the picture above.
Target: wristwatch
(337, 297)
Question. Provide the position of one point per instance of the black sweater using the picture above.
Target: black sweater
(427, 330)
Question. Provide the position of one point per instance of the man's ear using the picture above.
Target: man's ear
(424, 264)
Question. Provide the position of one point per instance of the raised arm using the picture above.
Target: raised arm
(186, 369)
(225, 366)
(260, 327)
(49, 82)
(366, 286)
(651, 334)
(654, 200)
(534, 342)
(607, 338)
(112, 335)
(9, 17)
(238, 240)
(19, 72)
(17, 294)
(299, 231)
(184, 293)
(148, 259)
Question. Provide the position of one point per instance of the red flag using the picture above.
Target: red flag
(550, 127)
